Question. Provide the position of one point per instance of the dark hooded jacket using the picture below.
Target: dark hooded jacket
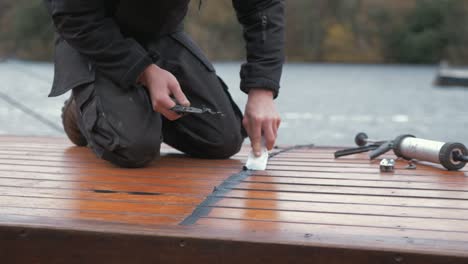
(110, 36)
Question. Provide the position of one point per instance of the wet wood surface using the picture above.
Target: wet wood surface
(59, 203)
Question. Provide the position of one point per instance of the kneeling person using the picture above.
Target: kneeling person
(129, 62)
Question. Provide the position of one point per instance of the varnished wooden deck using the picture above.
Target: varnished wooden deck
(59, 204)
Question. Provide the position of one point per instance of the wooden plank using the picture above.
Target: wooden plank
(67, 164)
(139, 197)
(181, 180)
(21, 138)
(66, 150)
(434, 171)
(91, 158)
(350, 220)
(137, 175)
(105, 217)
(399, 165)
(123, 177)
(161, 178)
(49, 143)
(317, 231)
(360, 183)
(441, 194)
(351, 199)
(60, 148)
(74, 149)
(327, 158)
(114, 170)
(322, 154)
(106, 187)
(11, 205)
(72, 153)
(455, 177)
(344, 208)
(36, 145)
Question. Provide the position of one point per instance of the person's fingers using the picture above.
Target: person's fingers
(269, 134)
(246, 124)
(179, 95)
(163, 106)
(171, 115)
(255, 134)
(165, 102)
(274, 127)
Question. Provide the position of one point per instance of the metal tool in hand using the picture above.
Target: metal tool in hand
(453, 156)
(185, 110)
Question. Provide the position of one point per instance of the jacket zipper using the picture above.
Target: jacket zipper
(264, 27)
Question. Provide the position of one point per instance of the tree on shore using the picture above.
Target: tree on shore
(431, 31)
(369, 31)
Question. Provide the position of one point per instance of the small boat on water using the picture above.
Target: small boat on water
(448, 76)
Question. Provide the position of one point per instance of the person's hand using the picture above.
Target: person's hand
(161, 84)
(261, 119)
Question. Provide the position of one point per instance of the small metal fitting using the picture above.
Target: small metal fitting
(387, 165)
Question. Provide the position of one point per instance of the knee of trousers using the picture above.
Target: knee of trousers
(223, 146)
(130, 148)
(127, 148)
(136, 154)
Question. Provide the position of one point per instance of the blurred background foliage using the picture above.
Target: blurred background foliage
(353, 31)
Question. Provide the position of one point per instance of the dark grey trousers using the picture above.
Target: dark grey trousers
(121, 126)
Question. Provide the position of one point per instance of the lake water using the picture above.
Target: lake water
(324, 104)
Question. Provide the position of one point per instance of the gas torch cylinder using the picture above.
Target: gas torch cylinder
(448, 155)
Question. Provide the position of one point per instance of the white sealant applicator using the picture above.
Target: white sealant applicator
(258, 163)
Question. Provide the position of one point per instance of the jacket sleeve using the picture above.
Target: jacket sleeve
(87, 27)
(263, 23)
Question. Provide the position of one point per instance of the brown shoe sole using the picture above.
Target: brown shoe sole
(70, 123)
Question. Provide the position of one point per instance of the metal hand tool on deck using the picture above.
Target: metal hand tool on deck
(362, 140)
(453, 156)
(387, 165)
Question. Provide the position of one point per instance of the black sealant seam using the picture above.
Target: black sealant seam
(204, 208)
